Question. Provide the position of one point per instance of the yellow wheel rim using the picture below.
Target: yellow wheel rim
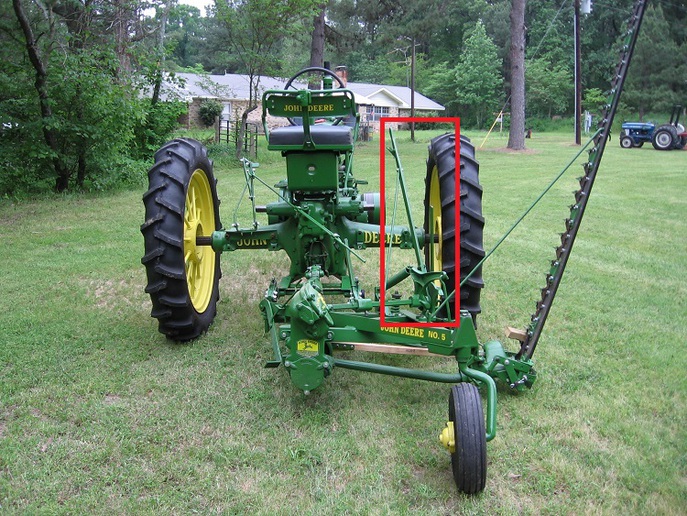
(436, 262)
(199, 220)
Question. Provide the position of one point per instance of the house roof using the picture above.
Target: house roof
(236, 87)
(230, 86)
(397, 96)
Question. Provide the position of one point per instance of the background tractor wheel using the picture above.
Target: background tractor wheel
(664, 137)
(626, 142)
(181, 203)
(469, 460)
(440, 192)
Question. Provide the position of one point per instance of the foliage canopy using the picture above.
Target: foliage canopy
(82, 100)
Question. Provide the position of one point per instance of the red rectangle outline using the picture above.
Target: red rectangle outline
(382, 222)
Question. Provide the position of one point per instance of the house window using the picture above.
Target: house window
(226, 111)
(376, 112)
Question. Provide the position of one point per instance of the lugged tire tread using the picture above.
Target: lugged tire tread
(442, 154)
(162, 231)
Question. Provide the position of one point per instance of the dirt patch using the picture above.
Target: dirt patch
(109, 294)
(112, 399)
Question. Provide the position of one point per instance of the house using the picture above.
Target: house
(374, 101)
(388, 101)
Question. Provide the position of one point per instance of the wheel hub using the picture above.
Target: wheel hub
(664, 139)
(448, 437)
(199, 260)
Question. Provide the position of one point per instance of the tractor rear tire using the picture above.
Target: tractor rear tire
(440, 193)
(181, 204)
(469, 460)
(665, 137)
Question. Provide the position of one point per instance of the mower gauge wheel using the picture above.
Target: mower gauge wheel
(181, 205)
(469, 458)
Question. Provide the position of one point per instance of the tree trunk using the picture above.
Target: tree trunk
(254, 83)
(121, 23)
(317, 43)
(41, 85)
(161, 54)
(516, 136)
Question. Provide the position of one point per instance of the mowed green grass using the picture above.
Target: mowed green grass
(100, 414)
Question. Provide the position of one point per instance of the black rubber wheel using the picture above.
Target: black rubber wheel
(626, 142)
(639, 144)
(683, 142)
(664, 137)
(440, 193)
(181, 203)
(469, 460)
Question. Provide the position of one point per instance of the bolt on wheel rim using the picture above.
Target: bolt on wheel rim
(664, 139)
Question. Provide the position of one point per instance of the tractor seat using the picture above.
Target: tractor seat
(323, 135)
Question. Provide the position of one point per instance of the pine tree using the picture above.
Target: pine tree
(653, 80)
(478, 76)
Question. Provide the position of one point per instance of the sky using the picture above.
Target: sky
(200, 4)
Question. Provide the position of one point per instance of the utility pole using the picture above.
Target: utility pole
(412, 92)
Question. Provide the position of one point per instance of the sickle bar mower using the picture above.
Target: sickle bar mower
(323, 221)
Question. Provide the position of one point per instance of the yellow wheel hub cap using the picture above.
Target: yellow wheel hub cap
(448, 437)
(199, 220)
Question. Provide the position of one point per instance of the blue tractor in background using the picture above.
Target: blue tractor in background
(663, 137)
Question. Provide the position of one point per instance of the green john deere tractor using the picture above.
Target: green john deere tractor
(323, 221)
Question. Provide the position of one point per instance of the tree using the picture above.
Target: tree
(516, 134)
(38, 61)
(185, 28)
(549, 88)
(317, 40)
(654, 82)
(478, 76)
(253, 29)
(441, 86)
(73, 111)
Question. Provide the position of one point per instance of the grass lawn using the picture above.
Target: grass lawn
(100, 414)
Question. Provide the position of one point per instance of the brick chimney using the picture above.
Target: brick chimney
(342, 73)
